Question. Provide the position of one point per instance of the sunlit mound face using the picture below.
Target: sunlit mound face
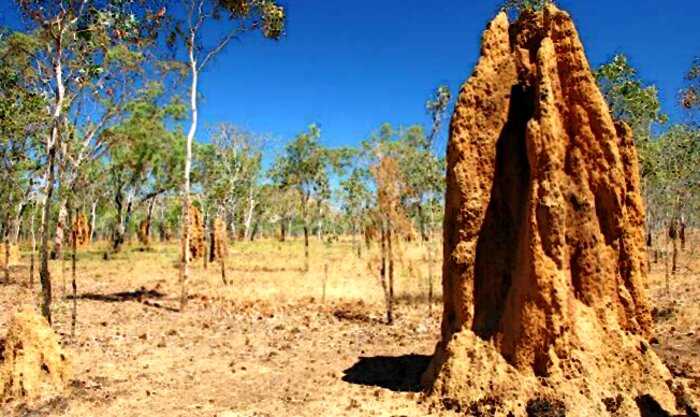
(543, 235)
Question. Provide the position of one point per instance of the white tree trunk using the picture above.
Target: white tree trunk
(184, 268)
(249, 215)
(93, 217)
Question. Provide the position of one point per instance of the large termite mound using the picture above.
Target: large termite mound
(81, 231)
(9, 252)
(34, 366)
(544, 306)
(219, 242)
(197, 237)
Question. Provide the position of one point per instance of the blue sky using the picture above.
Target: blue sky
(350, 66)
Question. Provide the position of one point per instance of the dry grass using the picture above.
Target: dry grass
(266, 345)
(263, 345)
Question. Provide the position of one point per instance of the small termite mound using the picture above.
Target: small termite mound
(219, 242)
(34, 366)
(144, 232)
(81, 231)
(9, 252)
(197, 238)
(543, 275)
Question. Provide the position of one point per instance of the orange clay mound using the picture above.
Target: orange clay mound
(81, 231)
(34, 367)
(544, 305)
(197, 240)
(219, 242)
(14, 255)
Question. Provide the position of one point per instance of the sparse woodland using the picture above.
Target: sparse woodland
(102, 156)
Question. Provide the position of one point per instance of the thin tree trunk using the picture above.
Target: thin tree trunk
(222, 264)
(354, 240)
(44, 274)
(93, 216)
(306, 246)
(675, 256)
(74, 264)
(60, 232)
(430, 277)
(184, 266)
(283, 230)
(207, 239)
(390, 250)
(6, 232)
(32, 254)
(421, 223)
(383, 270)
(249, 214)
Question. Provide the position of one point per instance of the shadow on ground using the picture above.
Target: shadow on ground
(141, 296)
(397, 373)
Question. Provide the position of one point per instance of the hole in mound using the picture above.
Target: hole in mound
(396, 373)
(649, 407)
(497, 247)
(542, 407)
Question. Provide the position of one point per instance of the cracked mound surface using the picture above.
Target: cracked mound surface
(219, 240)
(14, 254)
(544, 306)
(34, 366)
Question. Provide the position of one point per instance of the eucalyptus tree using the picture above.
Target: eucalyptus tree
(676, 180)
(355, 197)
(436, 106)
(195, 33)
(144, 155)
(632, 101)
(22, 122)
(690, 95)
(229, 172)
(422, 170)
(306, 166)
(74, 42)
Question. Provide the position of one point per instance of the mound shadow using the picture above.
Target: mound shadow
(141, 295)
(396, 373)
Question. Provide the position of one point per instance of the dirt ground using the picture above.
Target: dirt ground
(276, 341)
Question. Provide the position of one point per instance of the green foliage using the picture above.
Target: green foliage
(631, 101)
(690, 96)
(519, 6)
(628, 98)
(144, 153)
(436, 106)
(673, 187)
(306, 166)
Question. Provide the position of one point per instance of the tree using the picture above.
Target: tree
(690, 95)
(392, 220)
(355, 197)
(436, 106)
(245, 16)
(675, 183)
(229, 172)
(638, 105)
(519, 6)
(144, 155)
(306, 167)
(74, 41)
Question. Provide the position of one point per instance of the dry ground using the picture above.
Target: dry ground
(270, 343)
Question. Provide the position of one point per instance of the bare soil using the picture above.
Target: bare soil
(274, 342)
